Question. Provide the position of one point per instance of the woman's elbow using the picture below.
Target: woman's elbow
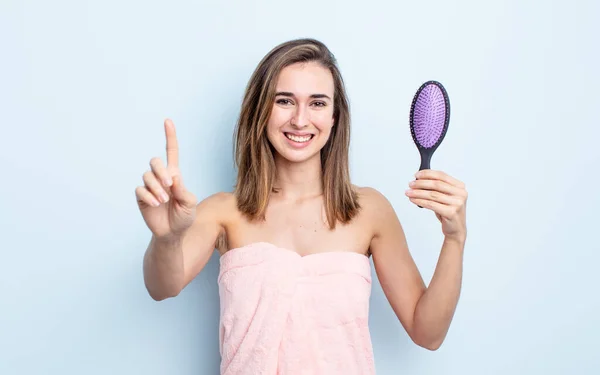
(160, 293)
(432, 346)
(427, 342)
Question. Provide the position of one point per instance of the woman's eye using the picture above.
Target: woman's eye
(289, 102)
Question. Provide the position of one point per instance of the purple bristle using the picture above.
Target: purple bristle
(429, 116)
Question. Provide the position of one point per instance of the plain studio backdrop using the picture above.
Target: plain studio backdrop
(86, 85)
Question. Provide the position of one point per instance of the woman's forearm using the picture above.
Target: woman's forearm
(163, 268)
(436, 307)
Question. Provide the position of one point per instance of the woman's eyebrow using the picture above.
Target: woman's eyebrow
(291, 95)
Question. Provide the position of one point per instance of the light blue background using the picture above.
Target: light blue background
(85, 87)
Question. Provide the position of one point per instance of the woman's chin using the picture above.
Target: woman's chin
(297, 156)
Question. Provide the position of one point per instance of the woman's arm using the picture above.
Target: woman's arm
(169, 266)
(425, 312)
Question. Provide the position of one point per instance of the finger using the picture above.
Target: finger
(433, 195)
(430, 174)
(160, 171)
(181, 194)
(144, 196)
(439, 208)
(436, 185)
(155, 187)
(172, 146)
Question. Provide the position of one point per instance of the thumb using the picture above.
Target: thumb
(180, 193)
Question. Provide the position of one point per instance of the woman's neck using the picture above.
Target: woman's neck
(299, 180)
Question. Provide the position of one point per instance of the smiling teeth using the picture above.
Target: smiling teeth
(297, 138)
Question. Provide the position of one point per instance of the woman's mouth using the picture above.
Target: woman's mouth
(299, 140)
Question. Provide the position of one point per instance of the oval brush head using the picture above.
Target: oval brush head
(429, 119)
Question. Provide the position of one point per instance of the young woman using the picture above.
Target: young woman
(296, 236)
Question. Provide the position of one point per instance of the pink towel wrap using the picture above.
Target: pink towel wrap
(286, 314)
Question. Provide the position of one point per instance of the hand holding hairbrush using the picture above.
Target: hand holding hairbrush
(429, 119)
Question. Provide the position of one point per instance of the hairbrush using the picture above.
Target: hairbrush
(429, 119)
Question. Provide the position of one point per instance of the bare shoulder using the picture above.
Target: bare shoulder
(372, 200)
(221, 199)
(377, 210)
(217, 206)
(216, 211)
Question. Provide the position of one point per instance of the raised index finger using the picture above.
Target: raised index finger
(172, 147)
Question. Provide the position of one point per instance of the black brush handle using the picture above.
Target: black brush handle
(425, 160)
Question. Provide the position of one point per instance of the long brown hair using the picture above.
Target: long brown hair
(254, 154)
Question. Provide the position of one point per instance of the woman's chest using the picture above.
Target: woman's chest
(304, 230)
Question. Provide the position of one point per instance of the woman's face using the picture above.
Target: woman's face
(302, 115)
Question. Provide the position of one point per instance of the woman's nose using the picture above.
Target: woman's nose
(301, 117)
